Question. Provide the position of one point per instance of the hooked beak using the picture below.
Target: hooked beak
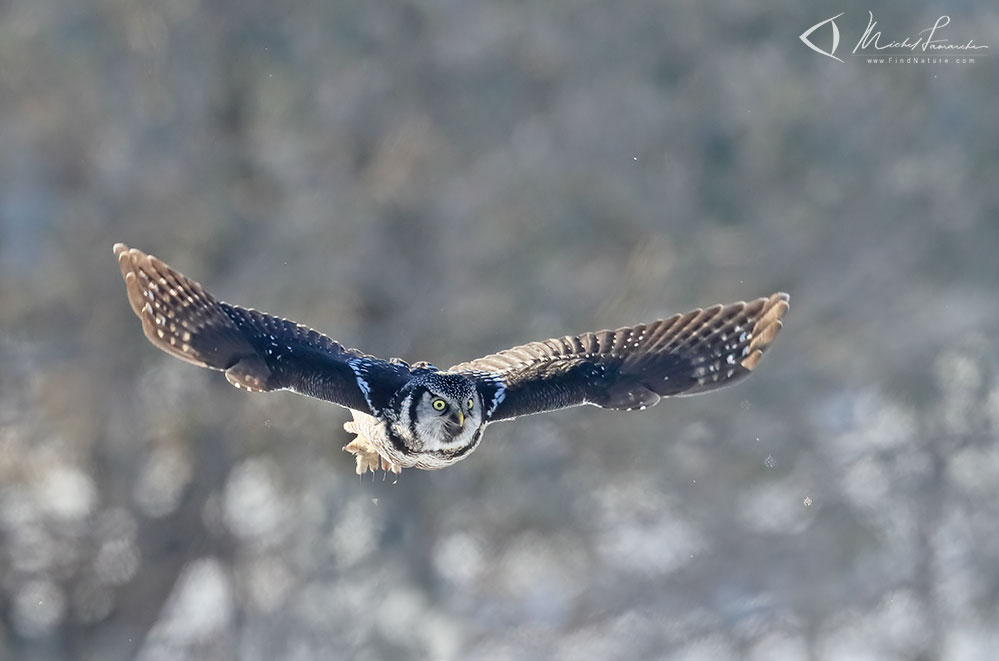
(456, 420)
(461, 419)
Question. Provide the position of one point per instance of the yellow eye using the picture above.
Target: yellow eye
(439, 404)
(471, 403)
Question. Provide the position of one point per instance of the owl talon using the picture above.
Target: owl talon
(390, 467)
(366, 453)
(367, 457)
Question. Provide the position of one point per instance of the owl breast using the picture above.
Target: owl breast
(378, 448)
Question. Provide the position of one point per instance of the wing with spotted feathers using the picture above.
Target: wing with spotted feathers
(630, 368)
(255, 350)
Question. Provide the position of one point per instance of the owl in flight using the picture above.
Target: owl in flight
(417, 416)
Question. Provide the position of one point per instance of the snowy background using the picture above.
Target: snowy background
(438, 180)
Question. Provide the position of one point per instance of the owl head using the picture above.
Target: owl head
(439, 412)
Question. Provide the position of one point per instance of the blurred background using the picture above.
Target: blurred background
(438, 180)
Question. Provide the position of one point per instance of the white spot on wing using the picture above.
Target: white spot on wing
(498, 397)
(358, 366)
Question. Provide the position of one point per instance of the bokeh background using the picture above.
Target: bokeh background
(438, 180)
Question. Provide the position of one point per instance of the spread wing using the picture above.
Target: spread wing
(255, 350)
(630, 368)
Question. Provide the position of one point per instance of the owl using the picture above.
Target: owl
(418, 416)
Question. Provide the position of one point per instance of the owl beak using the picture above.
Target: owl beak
(461, 419)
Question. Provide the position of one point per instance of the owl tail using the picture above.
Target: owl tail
(182, 319)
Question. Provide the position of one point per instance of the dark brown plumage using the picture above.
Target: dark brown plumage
(633, 367)
(418, 416)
